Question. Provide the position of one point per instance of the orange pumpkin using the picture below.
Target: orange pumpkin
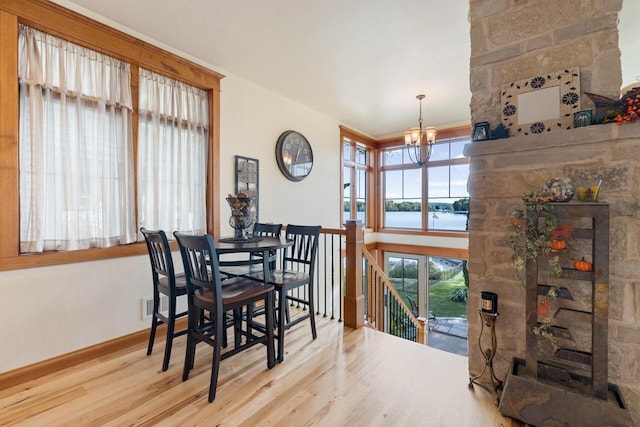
(558, 244)
(582, 265)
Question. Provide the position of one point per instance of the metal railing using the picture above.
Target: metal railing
(329, 281)
(385, 310)
(328, 277)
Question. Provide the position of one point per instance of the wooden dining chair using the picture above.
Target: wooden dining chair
(298, 268)
(165, 282)
(233, 268)
(205, 292)
(267, 230)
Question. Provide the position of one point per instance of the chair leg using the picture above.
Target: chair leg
(224, 331)
(250, 307)
(190, 352)
(215, 364)
(312, 314)
(189, 356)
(225, 342)
(282, 306)
(268, 314)
(237, 327)
(171, 326)
(154, 322)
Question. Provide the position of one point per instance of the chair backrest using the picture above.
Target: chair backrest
(302, 254)
(263, 229)
(201, 268)
(159, 255)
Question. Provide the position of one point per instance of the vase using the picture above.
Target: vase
(241, 216)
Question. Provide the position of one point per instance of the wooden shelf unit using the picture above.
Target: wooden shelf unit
(576, 355)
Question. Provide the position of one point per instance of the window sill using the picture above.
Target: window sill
(68, 257)
(435, 233)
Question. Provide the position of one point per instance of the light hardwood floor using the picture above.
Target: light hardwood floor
(344, 378)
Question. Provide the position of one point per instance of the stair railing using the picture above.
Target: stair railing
(385, 309)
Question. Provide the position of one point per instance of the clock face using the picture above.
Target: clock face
(294, 155)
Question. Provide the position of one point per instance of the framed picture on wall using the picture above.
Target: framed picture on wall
(542, 103)
(481, 131)
(248, 181)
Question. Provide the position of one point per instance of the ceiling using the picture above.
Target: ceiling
(359, 61)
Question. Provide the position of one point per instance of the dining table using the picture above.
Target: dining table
(264, 245)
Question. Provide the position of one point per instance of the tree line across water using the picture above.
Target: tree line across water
(461, 205)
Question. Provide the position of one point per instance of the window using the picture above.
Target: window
(435, 287)
(356, 179)
(448, 198)
(105, 174)
(405, 273)
(172, 154)
(76, 174)
(76, 163)
(441, 186)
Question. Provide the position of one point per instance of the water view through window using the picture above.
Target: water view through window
(437, 220)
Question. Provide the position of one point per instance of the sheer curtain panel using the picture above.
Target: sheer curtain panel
(172, 154)
(76, 154)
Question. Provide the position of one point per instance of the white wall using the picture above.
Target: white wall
(252, 119)
(49, 311)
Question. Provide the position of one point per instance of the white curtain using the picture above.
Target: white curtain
(172, 154)
(76, 163)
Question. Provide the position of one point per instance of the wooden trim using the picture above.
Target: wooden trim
(325, 230)
(56, 258)
(371, 168)
(423, 250)
(69, 25)
(58, 363)
(213, 168)
(416, 232)
(345, 132)
(353, 299)
(444, 134)
(82, 30)
(9, 221)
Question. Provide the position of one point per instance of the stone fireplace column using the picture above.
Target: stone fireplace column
(513, 40)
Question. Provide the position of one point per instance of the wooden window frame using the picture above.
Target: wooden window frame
(451, 134)
(370, 145)
(66, 24)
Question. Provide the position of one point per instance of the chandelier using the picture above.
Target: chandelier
(419, 141)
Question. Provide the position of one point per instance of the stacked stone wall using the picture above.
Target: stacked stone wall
(501, 172)
(517, 39)
(512, 40)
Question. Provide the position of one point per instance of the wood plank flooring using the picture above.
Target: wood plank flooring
(344, 378)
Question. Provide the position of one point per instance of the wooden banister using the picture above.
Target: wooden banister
(378, 285)
(353, 297)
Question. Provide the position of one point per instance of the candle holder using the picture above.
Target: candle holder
(241, 217)
(489, 302)
(488, 315)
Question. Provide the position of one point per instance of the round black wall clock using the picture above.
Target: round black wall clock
(294, 155)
